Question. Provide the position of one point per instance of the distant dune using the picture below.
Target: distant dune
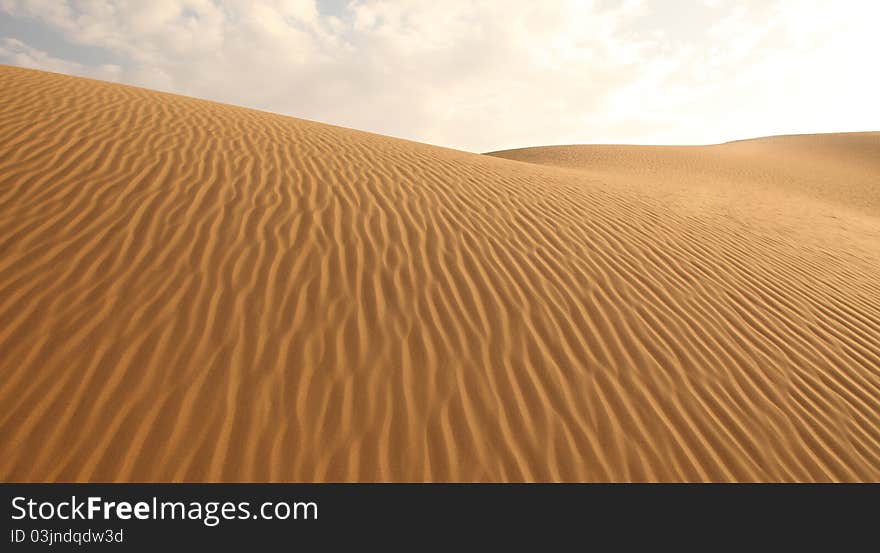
(192, 291)
(838, 169)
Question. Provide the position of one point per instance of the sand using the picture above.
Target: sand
(192, 291)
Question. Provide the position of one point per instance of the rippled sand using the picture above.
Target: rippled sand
(192, 291)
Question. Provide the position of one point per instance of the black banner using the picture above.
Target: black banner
(120, 517)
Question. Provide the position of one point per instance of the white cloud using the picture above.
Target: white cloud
(18, 53)
(490, 75)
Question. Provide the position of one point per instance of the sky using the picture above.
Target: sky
(484, 75)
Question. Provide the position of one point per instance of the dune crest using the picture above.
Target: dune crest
(192, 291)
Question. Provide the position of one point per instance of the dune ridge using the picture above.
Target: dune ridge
(192, 291)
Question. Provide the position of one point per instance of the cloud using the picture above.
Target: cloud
(18, 53)
(491, 75)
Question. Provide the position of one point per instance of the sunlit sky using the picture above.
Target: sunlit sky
(485, 75)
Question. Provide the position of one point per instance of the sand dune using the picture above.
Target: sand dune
(192, 291)
(837, 169)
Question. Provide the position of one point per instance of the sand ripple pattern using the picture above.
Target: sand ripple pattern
(192, 291)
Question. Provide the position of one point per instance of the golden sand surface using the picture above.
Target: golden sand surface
(192, 291)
